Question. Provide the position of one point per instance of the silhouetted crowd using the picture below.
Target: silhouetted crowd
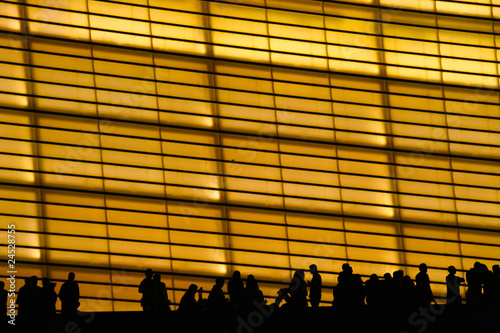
(393, 293)
(396, 292)
(34, 301)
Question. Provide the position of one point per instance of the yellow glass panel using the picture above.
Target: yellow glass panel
(182, 219)
(469, 79)
(128, 30)
(10, 10)
(396, 5)
(408, 167)
(138, 249)
(59, 22)
(465, 101)
(17, 147)
(308, 176)
(468, 9)
(430, 203)
(474, 136)
(363, 167)
(32, 225)
(361, 58)
(477, 193)
(257, 229)
(236, 97)
(245, 160)
(288, 119)
(126, 99)
(263, 126)
(264, 259)
(76, 228)
(476, 179)
(436, 144)
(180, 33)
(473, 150)
(466, 206)
(348, 110)
(139, 87)
(467, 122)
(249, 44)
(478, 221)
(92, 213)
(64, 92)
(258, 215)
(299, 5)
(311, 205)
(326, 222)
(188, 267)
(12, 92)
(290, 36)
(24, 163)
(426, 188)
(242, 46)
(179, 101)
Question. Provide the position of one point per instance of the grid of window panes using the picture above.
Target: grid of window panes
(200, 137)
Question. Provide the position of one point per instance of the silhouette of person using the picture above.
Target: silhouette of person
(408, 294)
(161, 303)
(423, 287)
(396, 285)
(25, 299)
(216, 299)
(69, 294)
(342, 291)
(146, 289)
(373, 293)
(48, 298)
(388, 297)
(356, 293)
(315, 286)
(188, 303)
(496, 284)
(453, 298)
(297, 291)
(235, 288)
(36, 294)
(474, 278)
(251, 294)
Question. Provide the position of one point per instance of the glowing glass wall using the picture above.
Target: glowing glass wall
(200, 137)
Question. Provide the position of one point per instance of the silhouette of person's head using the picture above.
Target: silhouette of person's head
(34, 280)
(236, 275)
(387, 277)
(71, 276)
(406, 281)
(313, 269)
(192, 289)
(45, 282)
(398, 274)
(251, 282)
(346, 268)
(157, 277)
(2, 284)
(452, 270)
(219, 282)
(27, 281)
(299, 274)
(149, 273)
(374, 278)
(423, 268)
